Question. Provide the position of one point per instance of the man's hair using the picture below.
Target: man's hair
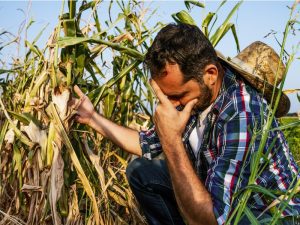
(185, 45)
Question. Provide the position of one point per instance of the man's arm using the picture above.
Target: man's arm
(125, 138)
(192, 197)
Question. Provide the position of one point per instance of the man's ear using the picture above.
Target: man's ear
(210, 74)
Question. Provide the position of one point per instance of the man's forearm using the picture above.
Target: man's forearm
(192, 197)
(125, 138)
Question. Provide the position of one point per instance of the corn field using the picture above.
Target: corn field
(53, 170)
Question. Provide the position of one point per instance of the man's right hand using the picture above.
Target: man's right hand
(124, 137)
(83, 106)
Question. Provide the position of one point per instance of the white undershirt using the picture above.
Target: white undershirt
(196, 135)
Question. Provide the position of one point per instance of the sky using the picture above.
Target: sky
(254, 21)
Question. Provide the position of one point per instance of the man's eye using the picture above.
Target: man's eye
(173, 98)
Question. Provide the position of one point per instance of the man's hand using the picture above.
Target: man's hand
(125, 138)
(83, 106)
(169, 122)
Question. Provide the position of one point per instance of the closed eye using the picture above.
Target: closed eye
(176, 97)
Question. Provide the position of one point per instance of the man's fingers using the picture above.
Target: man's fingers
(160, 95)
(72, 102)
(189, 106)
(78, 91)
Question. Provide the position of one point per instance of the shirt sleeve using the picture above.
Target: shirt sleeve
(150, 143)
(223, 174)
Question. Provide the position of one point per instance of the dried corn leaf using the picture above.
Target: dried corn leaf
(36, 135)
(85, 183)
(74, 217)
(96, 163)
(291, 91)
(279, 199)
(56, 183)
(9, 136)
(61, 101)
(29, 188)
(118, 199)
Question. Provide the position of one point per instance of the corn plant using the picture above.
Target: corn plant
(44, 177)
(278, 201)
(54, 171)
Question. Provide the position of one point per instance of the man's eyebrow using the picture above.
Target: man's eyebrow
(177, 95)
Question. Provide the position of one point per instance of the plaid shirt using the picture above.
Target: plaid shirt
(224, 159)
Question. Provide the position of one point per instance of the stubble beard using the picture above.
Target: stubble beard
(204, 100)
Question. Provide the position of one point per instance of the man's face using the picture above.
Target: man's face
(180, 93)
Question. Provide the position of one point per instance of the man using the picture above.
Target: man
(204, 123)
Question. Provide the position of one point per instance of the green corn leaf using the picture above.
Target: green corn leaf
(251, 217)
(225, 30)
(18, 133)
(33, 49)
(89, 68)
(193, 2)
(216, 38)
(95, 66)
(8, 43)
(39, 81)
(97, 23)
(86, 6)
(40, 33)
(69, 27)
(17, 159)
(206, 22)
(68, 41)
(220, 31)
(260, 189)
(20, 117)
(7, 71)
(31, 21)
(220, 6)
(183, 17)
(72, 8)
(3, 132)
(110, 101)
(111, 82)
(235, 37)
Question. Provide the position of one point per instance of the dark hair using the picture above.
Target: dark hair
(185, 45)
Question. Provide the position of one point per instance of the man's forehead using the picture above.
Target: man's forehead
(171, 73)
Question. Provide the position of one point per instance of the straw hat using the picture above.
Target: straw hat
(258, 64)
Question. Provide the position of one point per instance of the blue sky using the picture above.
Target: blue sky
(254, 20)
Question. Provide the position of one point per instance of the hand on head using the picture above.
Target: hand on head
(168, 120)
(83, 106)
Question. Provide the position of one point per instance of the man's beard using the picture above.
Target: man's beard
(204, 100)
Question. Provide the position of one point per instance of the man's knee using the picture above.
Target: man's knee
(134, 169)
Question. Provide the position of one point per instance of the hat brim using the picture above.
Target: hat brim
(262, 86)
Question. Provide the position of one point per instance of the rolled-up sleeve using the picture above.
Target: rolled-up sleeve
(224, 172)
(150, 143)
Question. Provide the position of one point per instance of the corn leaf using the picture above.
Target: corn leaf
(183, 17)
(193, 2)
(224, 26)
(251, 217)
(2, 133)
(206, 22)
(86, 185)
(68, 41)
(18, 133)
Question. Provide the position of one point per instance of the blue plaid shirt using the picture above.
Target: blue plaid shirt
(223, 161)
